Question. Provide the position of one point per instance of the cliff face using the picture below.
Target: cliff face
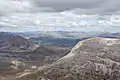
(91, 59)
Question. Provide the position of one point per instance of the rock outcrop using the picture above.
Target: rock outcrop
(91, 59)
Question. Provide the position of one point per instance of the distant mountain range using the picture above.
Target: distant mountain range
(62, 38)
(54, 41)
(110, 35)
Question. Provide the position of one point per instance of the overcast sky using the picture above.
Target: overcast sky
(74, 15)
(93, 6)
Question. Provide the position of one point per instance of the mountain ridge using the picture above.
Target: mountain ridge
(91, 59)
(17, 44)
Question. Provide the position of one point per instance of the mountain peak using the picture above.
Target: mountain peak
(17, 44)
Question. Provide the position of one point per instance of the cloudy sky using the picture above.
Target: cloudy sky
(65, 15)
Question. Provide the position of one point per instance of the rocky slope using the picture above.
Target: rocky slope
(19, 55)
(17, 44)
(91, 59)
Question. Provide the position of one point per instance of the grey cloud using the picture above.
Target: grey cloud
(11, 7)
(81, 6)
(87, 6)
(60, 5)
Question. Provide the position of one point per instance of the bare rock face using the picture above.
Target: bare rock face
(17, 44)
(91, 59)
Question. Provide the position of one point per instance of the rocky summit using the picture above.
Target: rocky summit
(91, 59)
